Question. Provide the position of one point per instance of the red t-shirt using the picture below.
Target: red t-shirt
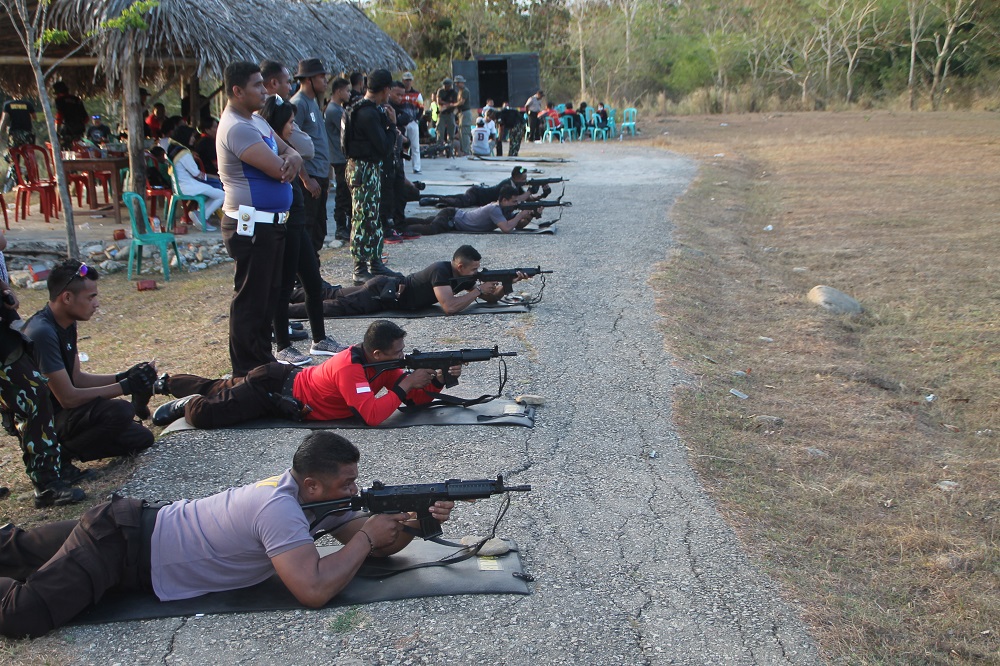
(341, 387)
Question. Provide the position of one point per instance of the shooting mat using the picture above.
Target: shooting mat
(436, 311)
(520, 158)
(496, 412)
(476, 575)
(531, 229)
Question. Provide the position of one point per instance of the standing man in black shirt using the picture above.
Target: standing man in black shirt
(369, 137)
(15, 121)
(71, 116)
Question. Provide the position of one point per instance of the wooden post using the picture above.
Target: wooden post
(134, 121)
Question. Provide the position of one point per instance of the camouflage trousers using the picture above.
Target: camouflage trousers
(25, 396)
(365, 180)
(514, 136)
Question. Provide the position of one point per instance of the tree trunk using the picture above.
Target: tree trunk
(583, 63)
(134, 121)
(72, 249)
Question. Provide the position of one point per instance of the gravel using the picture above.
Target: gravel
(633, 564)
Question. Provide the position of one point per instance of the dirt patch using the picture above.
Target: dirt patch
(872, 495)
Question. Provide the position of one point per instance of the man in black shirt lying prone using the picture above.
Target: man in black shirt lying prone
(435, 284)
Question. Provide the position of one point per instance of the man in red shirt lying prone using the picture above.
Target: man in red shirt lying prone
(338, 388)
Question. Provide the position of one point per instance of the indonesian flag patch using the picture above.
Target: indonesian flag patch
(362, 387)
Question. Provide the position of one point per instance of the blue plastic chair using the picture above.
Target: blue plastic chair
(612, 122)
(180, 196)
(143, 235)
(551, 130)
(628, 120)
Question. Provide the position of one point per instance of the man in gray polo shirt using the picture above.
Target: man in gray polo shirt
(255, 167)
(308, 116)
(231, 540)
(476, 220)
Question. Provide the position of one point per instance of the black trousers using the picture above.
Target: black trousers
(534, 126)
(101, 428)
(50, 574)
(351, 301)
(439, 224)
(300, 261)
(259, 261)
(226, 402)
(342, 198)
(316, 213)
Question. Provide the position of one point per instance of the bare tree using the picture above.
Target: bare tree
(917, 15)
(958, 17)
(861, 32)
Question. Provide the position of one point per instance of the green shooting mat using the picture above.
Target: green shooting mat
(476, 575)
(497, 412)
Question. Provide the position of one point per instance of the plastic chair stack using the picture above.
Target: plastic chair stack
(29, 179)
(143, 235)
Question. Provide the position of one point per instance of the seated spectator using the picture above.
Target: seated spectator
(98, 132)
(154, 121)
(550, 112)
(205, 147)
(190, 177)
(601, 116)
(570, 119)
(481, 144)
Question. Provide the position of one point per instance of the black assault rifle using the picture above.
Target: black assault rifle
(537, 206)
(417, 498)
(504, 276)
(536, 182)
(440, 360)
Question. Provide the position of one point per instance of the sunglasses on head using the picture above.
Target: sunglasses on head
(81, 273)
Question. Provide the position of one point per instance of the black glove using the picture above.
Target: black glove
(546, 191)
(138, 378)
(125, 373)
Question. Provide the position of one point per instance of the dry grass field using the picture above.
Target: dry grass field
(873, 496)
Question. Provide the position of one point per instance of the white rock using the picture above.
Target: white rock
(833, 300)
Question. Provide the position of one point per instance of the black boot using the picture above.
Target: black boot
(169, 412)
(378, 268)
(361, 274)
(162, 385)
(58, 493)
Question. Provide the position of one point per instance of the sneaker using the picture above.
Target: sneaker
(326, 347)
(169, 412)
(410, 235)
(71, 474)
(292, 356)
(296, 325)
(58, 493)
(392, 236)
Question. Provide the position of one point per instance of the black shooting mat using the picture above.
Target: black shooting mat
(436, 311)
(476, 575)
(517, 232)
(520, 158)
(499, 412)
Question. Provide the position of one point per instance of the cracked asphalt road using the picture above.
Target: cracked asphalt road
(633, 565)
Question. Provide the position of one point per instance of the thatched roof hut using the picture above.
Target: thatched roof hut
(199, 37)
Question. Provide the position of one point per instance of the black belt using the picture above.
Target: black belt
(147, 522)
(288, 388)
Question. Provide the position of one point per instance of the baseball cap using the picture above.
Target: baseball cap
(407, 76)
(446, 82)
(459, 79)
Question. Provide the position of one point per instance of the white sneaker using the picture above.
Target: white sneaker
(292, 356)
(326, 347)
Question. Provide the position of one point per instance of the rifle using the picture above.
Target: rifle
(441, 360)
(417, 497)
(536, 182)
(504, 276)
(537, 207)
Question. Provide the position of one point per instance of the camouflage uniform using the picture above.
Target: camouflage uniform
(25, 397)
(365, 179)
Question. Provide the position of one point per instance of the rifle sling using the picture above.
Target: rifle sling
(445, 400)
(465, 552)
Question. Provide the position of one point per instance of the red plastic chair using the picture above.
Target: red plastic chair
(29, 179)
(154, 193)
